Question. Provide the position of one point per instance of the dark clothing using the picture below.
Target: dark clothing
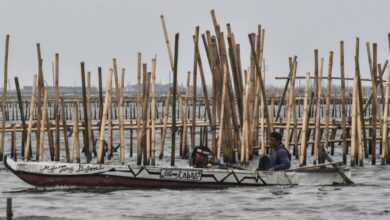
(279, 159)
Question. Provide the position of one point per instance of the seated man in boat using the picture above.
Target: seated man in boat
(280, 157)
(200, 156)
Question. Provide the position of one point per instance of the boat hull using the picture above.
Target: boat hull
(46, 174)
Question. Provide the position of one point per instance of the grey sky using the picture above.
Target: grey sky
(95, 31)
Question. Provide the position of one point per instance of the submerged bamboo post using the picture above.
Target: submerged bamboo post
(104, 117)
(4, 98)
(30, 121)
(305, 122)
(75, 134)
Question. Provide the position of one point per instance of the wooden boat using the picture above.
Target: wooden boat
(45, 174)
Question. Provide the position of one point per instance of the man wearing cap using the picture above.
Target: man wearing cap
(280, 158)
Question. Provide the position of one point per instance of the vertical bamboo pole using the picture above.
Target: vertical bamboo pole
(174, 98)
(328, 91)
(64, 127)
(39, 90)
(43, 125)
(139, 109)
(103, 121)
(56, 109)
(142, 138)
(121, 119)
(4, 98)
(87, 147)
(30, 121)
(359, 153)
(164, 130)
(343, 102)
(89, 106)
(14, 153)
(185, 116)
(317, 138)
(354, 123)
(75, 134)
(100, 93)
(196, 39)
(110, 149)
(153, 132)
(302, 158)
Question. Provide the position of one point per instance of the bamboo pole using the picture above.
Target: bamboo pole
(302, 158)
(354, 123)
(30, 121)
(207, 104)
(171, 61)
(186, 152)
(110, 149)
(343, 102)
(14, 153)
(87, 147)
(328, 91)
(65, 130)
(317, 137)
(4, 98)
(359, 156)
(75, 134)
(194, 75)
(164, 130)
(142, 138)
(290, 104)
(22, 116)
(222, 110)
(258, 70)
(103, 121)
(385, 144)
(121, 119)
(139, 109)
(153, 131)
(43, 125)
(39, 97)
(89, 106)
(56, 109)
(174, 98)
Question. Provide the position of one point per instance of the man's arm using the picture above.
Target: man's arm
(284, 161)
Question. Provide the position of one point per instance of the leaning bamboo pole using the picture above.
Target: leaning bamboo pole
(305, 123)
(222, 110)
(30, 121)
(103, 122)
(4, 98)
(43, 126)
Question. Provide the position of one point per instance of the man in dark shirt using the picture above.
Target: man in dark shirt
(280, 157)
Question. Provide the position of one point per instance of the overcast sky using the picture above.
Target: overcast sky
(95, 31)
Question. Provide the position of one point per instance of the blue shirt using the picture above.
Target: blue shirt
(279, 159)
